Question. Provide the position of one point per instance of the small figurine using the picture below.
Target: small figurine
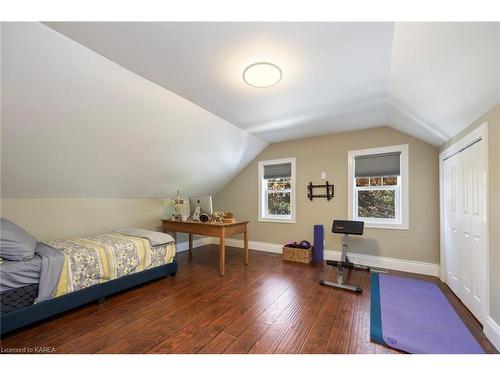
(178, 203)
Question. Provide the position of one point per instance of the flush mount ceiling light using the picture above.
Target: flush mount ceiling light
(262, 74)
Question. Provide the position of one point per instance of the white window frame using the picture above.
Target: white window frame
(401, 221)
(263, 216)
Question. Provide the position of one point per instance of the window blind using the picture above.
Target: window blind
(277, 171)
(378, 165)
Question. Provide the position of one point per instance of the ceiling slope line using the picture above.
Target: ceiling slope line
(402, 110)
(149, 80)
(306, 119)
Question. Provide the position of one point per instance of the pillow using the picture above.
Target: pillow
(15, 242)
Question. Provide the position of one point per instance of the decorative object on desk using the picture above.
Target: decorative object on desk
(196, 214)
(178, 203)
(318, 242)
(223, 217)
(329, 191)
(200, 205)
(218, 216)
(294, 253)
(228, 218)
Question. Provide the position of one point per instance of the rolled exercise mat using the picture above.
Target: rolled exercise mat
(319, 234)
(414, 316)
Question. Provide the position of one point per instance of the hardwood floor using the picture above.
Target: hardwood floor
(266, 307)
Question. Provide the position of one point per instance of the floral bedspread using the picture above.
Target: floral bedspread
(93, 260)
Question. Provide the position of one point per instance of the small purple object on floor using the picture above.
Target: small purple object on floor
(318, 243)
(417, 318)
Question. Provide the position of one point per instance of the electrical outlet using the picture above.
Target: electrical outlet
(323, 175)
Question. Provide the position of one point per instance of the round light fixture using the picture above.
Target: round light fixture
(262, 74)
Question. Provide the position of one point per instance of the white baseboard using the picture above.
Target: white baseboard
(254, 245)
(395, 264)
(234, 242)
(184, 246)
(492, 332)
(367, 260)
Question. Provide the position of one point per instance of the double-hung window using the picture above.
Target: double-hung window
(277, 190)
(378, 187)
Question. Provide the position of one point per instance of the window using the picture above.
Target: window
(378, 187)
(277, 190)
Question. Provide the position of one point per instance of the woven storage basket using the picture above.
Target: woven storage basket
(292, 254)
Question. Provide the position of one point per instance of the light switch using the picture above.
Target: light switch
(323, 175)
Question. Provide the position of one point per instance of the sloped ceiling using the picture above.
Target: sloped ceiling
(75, 124)
(429, 80)
(134, 110)
(445, 75)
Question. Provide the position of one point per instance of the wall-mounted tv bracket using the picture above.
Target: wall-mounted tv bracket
(328, 188)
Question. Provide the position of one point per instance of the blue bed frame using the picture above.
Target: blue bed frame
(46, 309)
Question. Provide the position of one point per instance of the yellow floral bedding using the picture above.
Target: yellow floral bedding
(93, 260)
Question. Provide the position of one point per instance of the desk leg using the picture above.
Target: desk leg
(190, 243)
(245, 249)
(222, 254)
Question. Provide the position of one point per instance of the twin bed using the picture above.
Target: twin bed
(39, 280)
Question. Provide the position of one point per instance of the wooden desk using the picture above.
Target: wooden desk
(220, 230)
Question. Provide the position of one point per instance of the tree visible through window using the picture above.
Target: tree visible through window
(277, 190)
(278, 194)
(376, 197)
(379, 178)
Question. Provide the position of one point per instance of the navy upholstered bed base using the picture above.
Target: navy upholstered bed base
(46, 309)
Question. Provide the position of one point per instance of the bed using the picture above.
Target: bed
(39, 280)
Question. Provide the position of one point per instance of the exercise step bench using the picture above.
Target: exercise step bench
(347, 227)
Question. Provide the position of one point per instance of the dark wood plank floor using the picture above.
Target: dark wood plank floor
(267, 307)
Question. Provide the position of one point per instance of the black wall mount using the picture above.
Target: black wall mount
(329, 191)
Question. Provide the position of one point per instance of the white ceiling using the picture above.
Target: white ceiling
(445, 74)
(162, 106)
(76, 125)
(428, 80)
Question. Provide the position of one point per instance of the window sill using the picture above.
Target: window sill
(281, 221)
(386, 226)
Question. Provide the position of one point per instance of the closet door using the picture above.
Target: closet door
(472, 230)
(465, 251)
(452, 174)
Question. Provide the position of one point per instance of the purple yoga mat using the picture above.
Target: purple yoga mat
(417, 318)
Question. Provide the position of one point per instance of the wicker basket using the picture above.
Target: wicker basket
(292, 254)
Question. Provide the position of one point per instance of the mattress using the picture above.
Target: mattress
(18, 298)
